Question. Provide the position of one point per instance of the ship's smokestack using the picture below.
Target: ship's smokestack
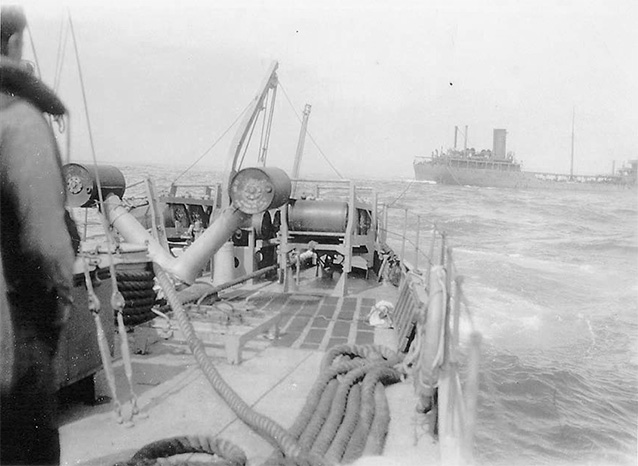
(499, 147)
(465, 143)
(456, 130)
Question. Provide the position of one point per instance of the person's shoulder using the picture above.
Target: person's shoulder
(18, 106)
(20, 113)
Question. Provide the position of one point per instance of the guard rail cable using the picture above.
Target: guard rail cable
(351, 381)
(117, 300)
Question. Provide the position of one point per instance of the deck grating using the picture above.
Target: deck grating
(320, 325)
(315, 322)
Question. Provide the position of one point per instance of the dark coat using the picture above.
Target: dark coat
(37, 262)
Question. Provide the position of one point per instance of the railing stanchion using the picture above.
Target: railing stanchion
(405, 232)
(431, 257)
(416, 246)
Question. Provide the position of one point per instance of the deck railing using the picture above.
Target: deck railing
(427, 321)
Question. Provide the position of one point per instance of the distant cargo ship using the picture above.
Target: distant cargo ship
(498, 168)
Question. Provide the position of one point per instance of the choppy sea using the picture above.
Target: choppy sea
(552, 281)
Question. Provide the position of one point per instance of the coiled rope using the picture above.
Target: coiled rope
(342, 415)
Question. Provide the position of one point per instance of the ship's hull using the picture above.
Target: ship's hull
(467, 176)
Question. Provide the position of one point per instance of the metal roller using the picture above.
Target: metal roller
(320, 216)
(81, 183)
(254, 190)
(262, 223)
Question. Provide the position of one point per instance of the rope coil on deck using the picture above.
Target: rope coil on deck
(342, 415)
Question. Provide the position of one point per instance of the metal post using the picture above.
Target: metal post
(405, 232)
(375, 216)
(385, 223)
(458, 282)
(471, 393)
(283, 247)
(431, 256)
(416, 247)
(465, 143)
(571, 166)
(442, 259)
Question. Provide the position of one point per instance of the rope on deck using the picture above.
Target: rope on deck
(227, 452)
(333, 426)
(346, 408)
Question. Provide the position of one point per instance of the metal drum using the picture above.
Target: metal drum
(319, 216)
(254, 190)
(81, 183)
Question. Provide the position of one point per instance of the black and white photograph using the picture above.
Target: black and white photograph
(263, 233)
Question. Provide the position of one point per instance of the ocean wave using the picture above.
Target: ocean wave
(537, 410)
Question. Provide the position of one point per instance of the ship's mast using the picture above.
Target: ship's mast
(465, 142)
(300, 143)
(571, 167)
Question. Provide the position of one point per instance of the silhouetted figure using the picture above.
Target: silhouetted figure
(37, 255)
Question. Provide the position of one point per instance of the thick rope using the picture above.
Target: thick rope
(348, 425)
(330, 427)
(228, 452)
(369, 352)
(307, 438)
(380, 422)
(316, 393)
(358, 440)
(264, 426)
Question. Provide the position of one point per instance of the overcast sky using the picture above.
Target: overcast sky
(386, 80)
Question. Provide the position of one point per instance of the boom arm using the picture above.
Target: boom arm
(246, 126)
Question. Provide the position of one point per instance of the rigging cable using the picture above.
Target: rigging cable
(402, 194)
(35, 55)
(117, 299)
(310, 135)
(247, 143)
(59, 63)
(214, 144)
(264, 150)
(263, 133)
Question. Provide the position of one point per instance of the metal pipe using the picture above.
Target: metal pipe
(132, 231)
(192, 261)
(236, 281)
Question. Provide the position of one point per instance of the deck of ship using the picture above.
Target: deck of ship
(274, 377)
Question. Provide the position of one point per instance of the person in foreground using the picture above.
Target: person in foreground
(36, 265)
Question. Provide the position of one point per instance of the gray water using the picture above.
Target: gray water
(552, 279)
